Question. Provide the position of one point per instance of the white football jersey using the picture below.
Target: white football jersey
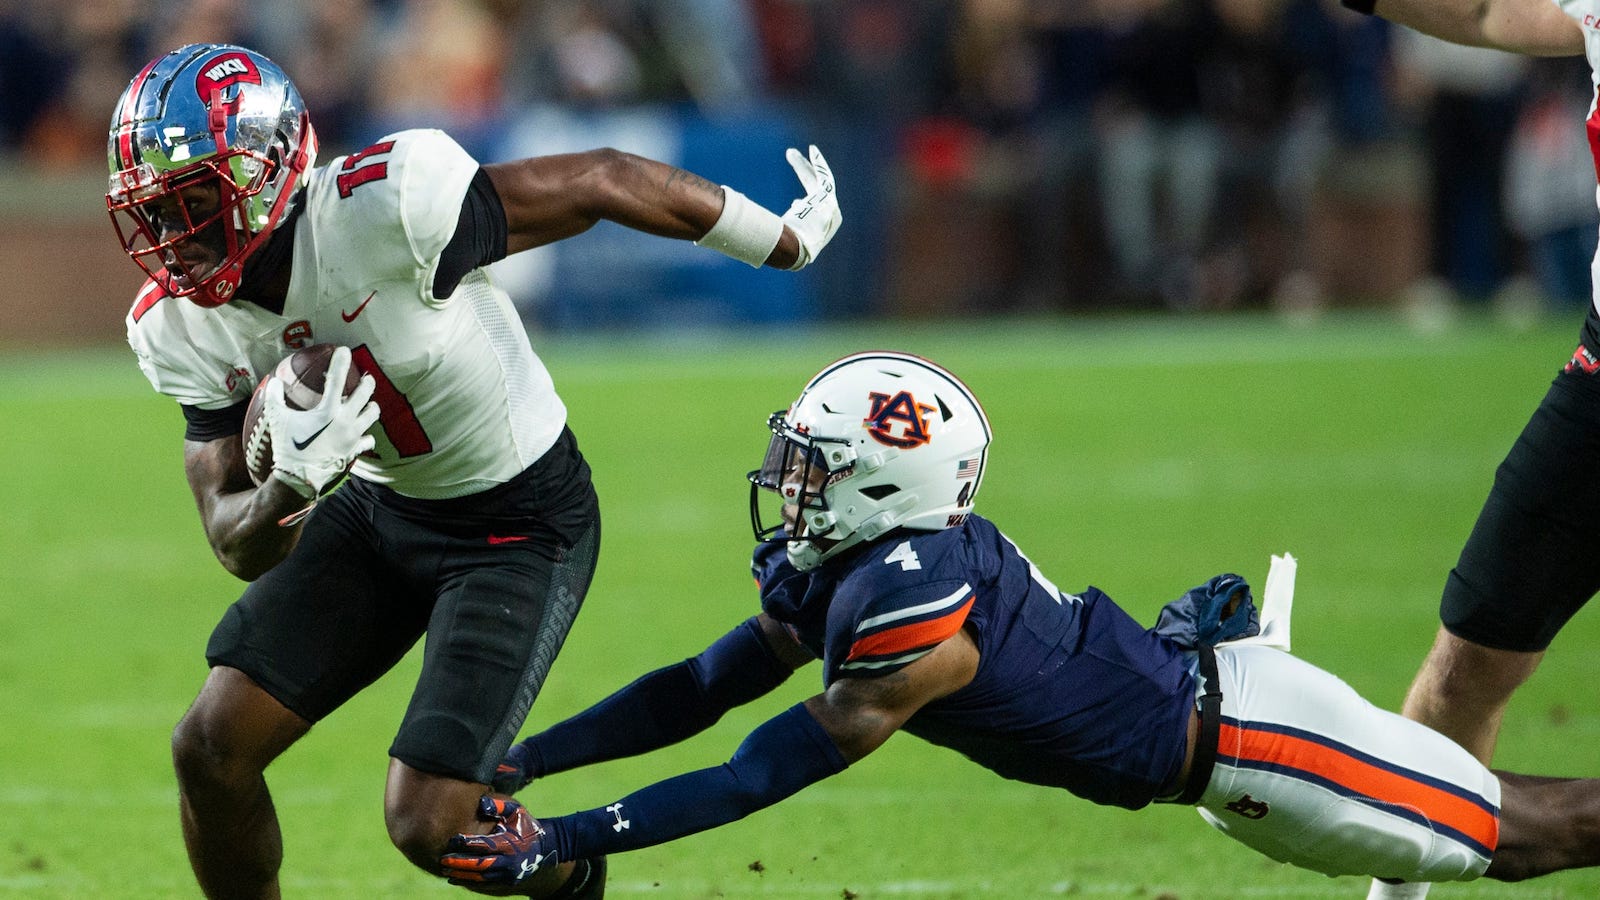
(466, 404)
(1587, 15)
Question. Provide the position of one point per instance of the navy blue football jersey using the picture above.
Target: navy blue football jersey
(1070, 691)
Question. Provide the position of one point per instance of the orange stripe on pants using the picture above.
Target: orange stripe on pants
(1362, 778)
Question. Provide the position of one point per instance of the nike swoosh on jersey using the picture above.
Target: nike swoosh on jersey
(351, 316)
(506, 538)
(301, 445)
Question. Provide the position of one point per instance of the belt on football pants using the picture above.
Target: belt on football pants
(1205, 747)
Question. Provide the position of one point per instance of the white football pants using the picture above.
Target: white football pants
(1311, 774)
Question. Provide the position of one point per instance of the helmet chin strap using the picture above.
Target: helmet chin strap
(805, 555)
(220, 287)
(217, 119)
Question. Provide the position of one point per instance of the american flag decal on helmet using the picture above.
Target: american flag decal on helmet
(967, 467)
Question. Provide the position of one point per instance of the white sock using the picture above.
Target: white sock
(1410, 890)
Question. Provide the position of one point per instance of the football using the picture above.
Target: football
(304, 374)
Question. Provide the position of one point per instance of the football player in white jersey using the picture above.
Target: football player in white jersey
(1530, 561)
(469, 515)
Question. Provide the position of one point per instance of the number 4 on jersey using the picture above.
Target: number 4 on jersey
(905, 556)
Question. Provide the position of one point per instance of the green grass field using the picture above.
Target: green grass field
(1142, 457)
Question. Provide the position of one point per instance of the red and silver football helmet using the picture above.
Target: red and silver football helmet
(206, 150)
(876, 441)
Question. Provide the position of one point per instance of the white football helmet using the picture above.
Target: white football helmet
(876, 441)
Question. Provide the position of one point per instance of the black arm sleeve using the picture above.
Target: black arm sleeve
(480, 236)
(204, 425)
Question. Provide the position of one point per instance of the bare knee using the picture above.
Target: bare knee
(1458, 671)
(419, 836)
(230, 734)
(194, 756)
(423, 811)
(206, 758)
(1463, 687)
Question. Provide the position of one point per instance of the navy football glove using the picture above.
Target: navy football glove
(1220, 610)
(515, 772)
(508, 855)
(1229, 611)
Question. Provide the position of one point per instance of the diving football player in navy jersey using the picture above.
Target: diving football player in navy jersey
(928, 619)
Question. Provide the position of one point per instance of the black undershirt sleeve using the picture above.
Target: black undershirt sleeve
(480, 236)
(204, 425)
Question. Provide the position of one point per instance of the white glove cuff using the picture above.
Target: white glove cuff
(299, 485)
(746, 230)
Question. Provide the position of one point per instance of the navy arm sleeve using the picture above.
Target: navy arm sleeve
(663, 707)
(777, 760)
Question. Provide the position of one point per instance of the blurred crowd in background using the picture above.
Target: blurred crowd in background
(995, 155)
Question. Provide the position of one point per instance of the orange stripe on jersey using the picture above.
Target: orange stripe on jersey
(1305, 755)
(911, 636)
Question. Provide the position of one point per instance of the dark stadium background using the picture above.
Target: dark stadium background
(1328, 360)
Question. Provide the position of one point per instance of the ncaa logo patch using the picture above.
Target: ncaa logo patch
(297, 335)
(898, 420)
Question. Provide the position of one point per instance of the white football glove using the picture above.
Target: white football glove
(311, 448)
(815, 217)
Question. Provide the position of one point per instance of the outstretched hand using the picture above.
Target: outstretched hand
(508, 855)
(815, 217)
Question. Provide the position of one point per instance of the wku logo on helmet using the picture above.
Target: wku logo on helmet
(223, 72)
(898, 420)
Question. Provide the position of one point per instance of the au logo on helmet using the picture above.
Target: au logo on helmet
(223, 72)
(898, 420)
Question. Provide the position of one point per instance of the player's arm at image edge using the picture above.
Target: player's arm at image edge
(549, 198)
(1532, 27)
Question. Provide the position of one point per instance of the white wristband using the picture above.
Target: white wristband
(746, 230)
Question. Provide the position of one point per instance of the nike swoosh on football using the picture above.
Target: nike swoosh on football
(351, 316)
(506, 538)
(301, 445)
